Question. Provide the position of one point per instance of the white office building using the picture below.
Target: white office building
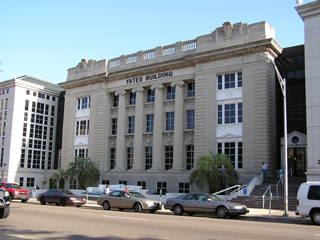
(28, 115)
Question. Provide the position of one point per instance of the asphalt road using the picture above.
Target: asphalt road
(32, 221)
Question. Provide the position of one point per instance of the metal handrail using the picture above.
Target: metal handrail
(290, 170)
(224, 190)
(268, 188)
(278, 186)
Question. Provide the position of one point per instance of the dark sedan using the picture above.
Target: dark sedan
(192, 203)
(60, 197)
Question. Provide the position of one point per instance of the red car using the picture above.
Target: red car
(15, 191)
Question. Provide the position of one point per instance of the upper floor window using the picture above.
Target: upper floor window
(151, 95)
(115, 100)
(171, 92)
(189, 157)
(132, 98)
(129, 158)
(131, 124)
(150, 122)
(114, 126)
(170, 121)
(168, 157)
(84, 103)
(230, 113)
(112, 158)
(82, 127)
(232, 80)
(191, 89)
(148, 163)
(190, 119)
(81, 152)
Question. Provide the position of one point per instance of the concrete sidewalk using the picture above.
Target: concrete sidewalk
(254, 213)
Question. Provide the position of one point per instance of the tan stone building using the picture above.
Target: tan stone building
(145, 118)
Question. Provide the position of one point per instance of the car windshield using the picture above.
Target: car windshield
(137, 195)
(66, 192)
(10, 185)
(216, 198)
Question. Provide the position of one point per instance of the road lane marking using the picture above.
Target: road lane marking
(138, 219)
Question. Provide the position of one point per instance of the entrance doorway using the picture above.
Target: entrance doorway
(297, 161)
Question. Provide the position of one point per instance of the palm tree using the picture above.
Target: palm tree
(213, 171)
(83, 170)
(58, 178)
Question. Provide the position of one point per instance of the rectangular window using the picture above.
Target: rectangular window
(314, 192)
(84, 103)
(189, 157)
(171, 92)
(190, 119)
(162, 186)
(132, 59)
(21, 181)
(142, 184)
(170, 121)
(30, 182)
(73, 184)
(191, 89)
(150, 118)
(149, 55)
(129, 157)
(82, 127)
(148, 164)
(81, 152)
(115, 63)
(123, 182)
(115, 100)
(26, 105)
(105, 182)
(22, 158)
(132, 98)
(230, 113)
(131, 124)
(112, 158)
(114, 126)
(151, 95)
(234, 152)
(183, 187)
(228, 81)
(168, 157)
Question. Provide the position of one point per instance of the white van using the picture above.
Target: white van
(308, 201)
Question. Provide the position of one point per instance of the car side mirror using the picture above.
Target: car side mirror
(209, 199)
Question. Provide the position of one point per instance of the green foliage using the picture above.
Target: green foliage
(83, 170)
(58, 179)
(213, 171)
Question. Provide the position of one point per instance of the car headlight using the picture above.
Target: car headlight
(238, 207)
(150, 203)
(72, 199)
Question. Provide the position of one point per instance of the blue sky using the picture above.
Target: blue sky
(43, 38)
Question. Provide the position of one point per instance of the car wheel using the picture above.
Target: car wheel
(153, 211)
(120, 209)
(42, 201)
(137, 207)
(4, 212)
(58, 204)
(78, 205)
(315, 217)
(106, 205)
(222, 212)
(63, 202)
(178, 210)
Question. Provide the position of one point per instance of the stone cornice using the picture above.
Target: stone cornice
(266, 45)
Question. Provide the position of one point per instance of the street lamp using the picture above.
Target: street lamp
(282, 83)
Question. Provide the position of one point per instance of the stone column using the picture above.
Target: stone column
(121, 131)
(178, 127)
(138, 131)
(157, 146)
(106, 162)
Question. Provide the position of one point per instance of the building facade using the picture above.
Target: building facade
(146, 118)
(310, 14)
(28, 117)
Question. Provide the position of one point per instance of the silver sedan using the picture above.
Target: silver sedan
(192, 203)
(128, 200)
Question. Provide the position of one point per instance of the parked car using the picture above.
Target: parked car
(60, 197)
(16, 192)
(308, 201)
(128, 200)
(4, 203)
(192, 203)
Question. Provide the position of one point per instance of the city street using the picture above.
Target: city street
(34, 221)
